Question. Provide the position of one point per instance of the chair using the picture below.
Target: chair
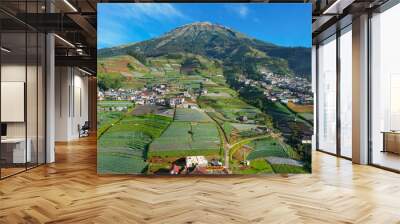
(84, 130)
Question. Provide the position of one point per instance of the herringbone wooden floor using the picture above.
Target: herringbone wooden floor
(70, 191)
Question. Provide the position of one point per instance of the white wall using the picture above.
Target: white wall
(17, 73)
(71, 102)
(33, 126)
(80, 110)
(12, 73)
(62, 82)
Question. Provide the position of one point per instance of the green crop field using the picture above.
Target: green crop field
(185, 138)
(243, 127)
(266, 147)
(150, 124)
(307, 116)
(120, 164)
(176, 137)
(258, 166)
(222, 89)
(123, 147)
(231, 108)
(205, 136)
(106, 116)
(228, 129)
(280, 112)
(216, 116)
(219, 103)
(105, 119)
(114, 103)
(284, 168)
(184, 114)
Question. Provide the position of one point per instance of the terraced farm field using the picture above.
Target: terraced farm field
(187, 139)
(184, 114)
(265, 155)
(304, 111)
(106, 119)
(284, 168)
(231, 108)
(288, 121)
(256, 167)
(114, 103)
(298, 108)
(265, 147)
(107, 115)
(307, 116)
(123, 148)
(120, 64)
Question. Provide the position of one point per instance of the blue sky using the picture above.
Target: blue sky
(281, 24)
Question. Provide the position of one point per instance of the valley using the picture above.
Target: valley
(192, 111)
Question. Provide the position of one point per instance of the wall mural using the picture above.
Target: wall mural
(204, 88)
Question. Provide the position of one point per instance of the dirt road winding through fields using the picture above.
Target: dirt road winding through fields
(225, 141)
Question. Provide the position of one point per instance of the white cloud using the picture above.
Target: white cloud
(240, 10)
(243, 11)
(143, 12)
(158, 11)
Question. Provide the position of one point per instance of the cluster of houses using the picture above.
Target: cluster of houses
(158, 94)
(282, 88)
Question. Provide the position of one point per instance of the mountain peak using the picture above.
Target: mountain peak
(196, 29)
(205, 25)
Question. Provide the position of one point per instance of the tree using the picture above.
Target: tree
(139, 56)
(101, 84)
(130, 67)
(110, 81)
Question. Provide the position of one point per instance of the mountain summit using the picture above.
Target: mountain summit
(201, 27)
(221, 43)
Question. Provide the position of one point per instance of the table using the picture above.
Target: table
(391, 141)
(16, 147)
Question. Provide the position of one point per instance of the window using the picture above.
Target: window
(346, 92)
(22, 88)
(385, 89)
(327, 95)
